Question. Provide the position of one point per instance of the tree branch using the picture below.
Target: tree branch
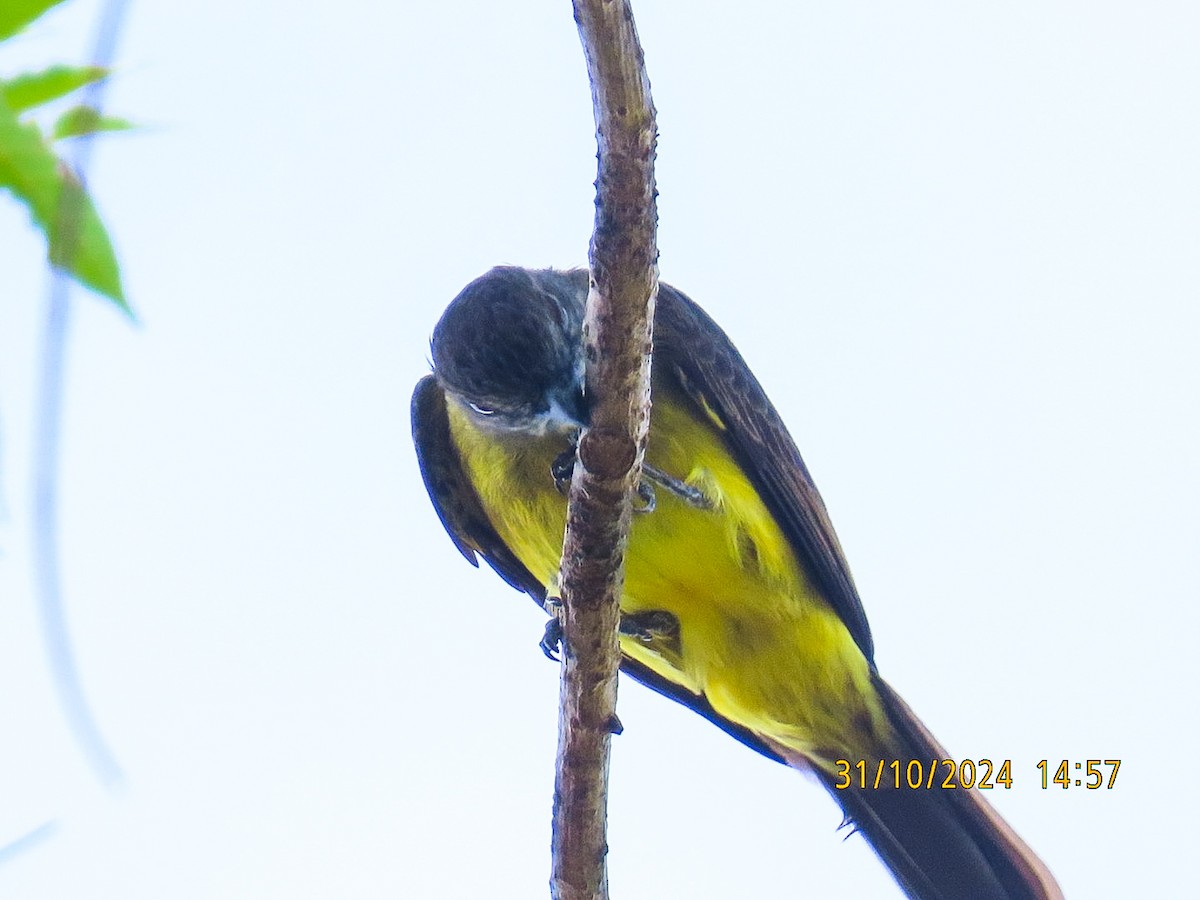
(617, 336)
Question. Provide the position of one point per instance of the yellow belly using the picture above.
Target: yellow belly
(754, 637)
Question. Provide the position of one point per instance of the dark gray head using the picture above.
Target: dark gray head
(509, 348)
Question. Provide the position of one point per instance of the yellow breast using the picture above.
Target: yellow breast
(754, 637)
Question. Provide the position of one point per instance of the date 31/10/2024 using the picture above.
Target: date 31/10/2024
(949, 774)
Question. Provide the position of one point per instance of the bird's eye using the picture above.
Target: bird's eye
(482, 410)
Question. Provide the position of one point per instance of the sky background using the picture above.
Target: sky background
(959, 244)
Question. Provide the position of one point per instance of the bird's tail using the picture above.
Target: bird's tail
(941, 843)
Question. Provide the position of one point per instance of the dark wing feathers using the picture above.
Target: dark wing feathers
(692, 348)
(454, 498)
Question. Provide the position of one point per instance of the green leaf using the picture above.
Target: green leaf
(35, 88)
(81, 120)
(27, 166)
(58, 205)
(80, 244)
(16, 14)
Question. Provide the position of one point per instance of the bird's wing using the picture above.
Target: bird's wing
(693, 349)
(454, 499)
(462, 514)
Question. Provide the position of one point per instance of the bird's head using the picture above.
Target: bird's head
(509, 350)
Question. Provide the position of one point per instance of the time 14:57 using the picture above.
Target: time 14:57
(1080, 774)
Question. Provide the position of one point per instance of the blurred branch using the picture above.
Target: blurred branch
(617, 333)
(67, 682)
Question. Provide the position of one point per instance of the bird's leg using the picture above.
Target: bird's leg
(692, 496)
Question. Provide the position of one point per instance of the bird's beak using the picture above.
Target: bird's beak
(569, 407)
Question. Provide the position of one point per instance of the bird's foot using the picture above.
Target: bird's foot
(563, 466)
(650, 626)
(552, 637)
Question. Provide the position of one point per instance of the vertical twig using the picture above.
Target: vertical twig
(67, 681)
(617, 334)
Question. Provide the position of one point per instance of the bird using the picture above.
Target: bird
(738, 601)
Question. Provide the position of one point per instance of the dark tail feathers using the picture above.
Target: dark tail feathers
(942, 844)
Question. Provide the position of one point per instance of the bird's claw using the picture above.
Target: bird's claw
(645, 493)
(561, 469)
(552, 637)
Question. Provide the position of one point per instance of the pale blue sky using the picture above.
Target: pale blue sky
(957, 243)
